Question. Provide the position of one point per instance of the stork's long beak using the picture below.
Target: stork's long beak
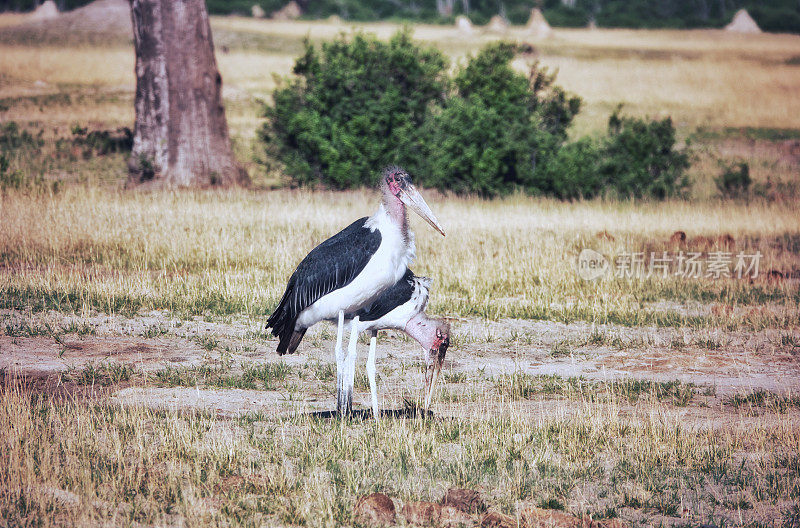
(431, 377)
(413, 199)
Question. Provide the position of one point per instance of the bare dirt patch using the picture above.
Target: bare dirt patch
(721, 363)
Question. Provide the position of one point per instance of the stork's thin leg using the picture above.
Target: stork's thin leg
(339, 353)
(371, 374)
(350, 366)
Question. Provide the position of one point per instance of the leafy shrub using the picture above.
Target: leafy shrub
(499, 127)
(573, 173)
(362, 104)
(734, 181)
(13, 138)
(490, 130)
(355, 106)
(9, 179)
(638, 158)
(473, 148)
(96, 142)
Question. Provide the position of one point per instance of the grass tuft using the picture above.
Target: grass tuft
(523, 386)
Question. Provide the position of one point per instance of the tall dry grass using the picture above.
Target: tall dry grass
(232, 252)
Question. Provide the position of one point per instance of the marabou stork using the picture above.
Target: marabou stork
(349, 271)
(402, 307)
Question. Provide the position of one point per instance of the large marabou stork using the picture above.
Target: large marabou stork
(402, 307)
(349, 271)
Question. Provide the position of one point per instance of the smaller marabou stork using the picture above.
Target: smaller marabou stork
(350, 270)
(401, 307)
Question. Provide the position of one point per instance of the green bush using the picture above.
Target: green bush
(473, 148)
(12, 138)
(355, 106)
(497, 129)
(573, 172)
(734, 181)
(638, 158)
(361, 104)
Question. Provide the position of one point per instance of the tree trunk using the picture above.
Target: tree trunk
(181, 137)
(444, 7)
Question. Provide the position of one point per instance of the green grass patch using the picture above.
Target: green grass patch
(267, 376)
(103, 374)
(765, 400)
(523, 386)
(769, 134)
(749, 133)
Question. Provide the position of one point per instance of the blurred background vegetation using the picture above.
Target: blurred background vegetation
(707, 114)
(775, 15)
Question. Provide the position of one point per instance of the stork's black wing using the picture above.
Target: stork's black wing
(328, 267)
(390, 299)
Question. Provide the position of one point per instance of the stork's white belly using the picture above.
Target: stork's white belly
(385, 268)
(397, 319)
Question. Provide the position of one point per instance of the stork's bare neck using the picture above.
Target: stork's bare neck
(396, 211)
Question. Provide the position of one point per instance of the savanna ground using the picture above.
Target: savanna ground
(139, 386)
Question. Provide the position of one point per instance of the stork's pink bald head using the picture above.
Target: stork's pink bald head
(398, 190)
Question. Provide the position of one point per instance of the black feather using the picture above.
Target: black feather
(331, 265)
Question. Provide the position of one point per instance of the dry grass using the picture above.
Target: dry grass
(704, 92)
(12, 19)
(73, 462)
(231, 252)
(66, 66)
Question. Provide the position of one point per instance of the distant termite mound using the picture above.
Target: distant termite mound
(743, 23)
(257, 11)
(537, 24)
(290, 11)
(497, 24)
(464, 25)
(45, 11)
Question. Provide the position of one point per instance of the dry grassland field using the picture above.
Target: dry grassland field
(138, 386)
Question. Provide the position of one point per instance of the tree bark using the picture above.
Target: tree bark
(181, 135)
(445, 7)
